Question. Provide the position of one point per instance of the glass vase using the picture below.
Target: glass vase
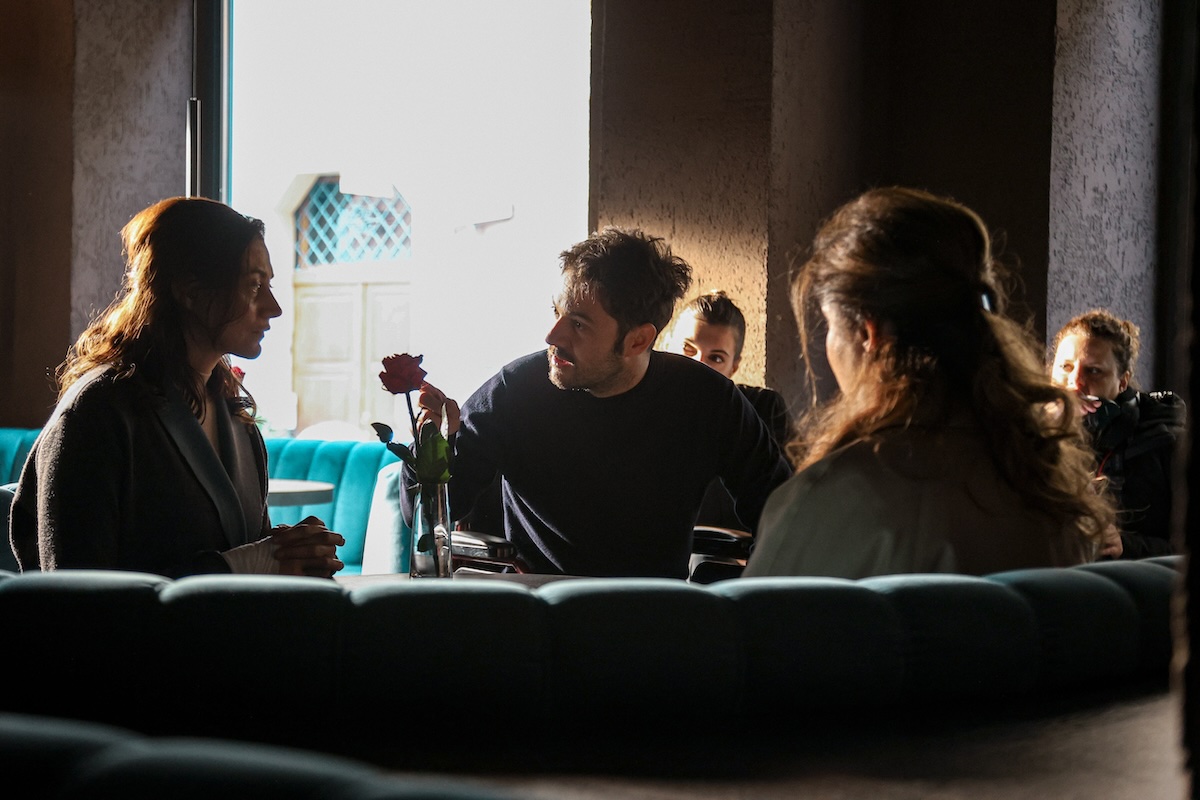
(429, 554)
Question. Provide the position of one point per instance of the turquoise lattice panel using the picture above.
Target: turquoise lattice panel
(334, 228)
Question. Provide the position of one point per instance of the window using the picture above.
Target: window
(434, 158)
(333, 228)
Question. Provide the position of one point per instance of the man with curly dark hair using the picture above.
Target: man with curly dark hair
(1133, 432)
(599, 472)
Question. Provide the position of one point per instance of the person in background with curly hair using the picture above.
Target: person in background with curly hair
(947, 448)
(151, 460)
(1132, 432)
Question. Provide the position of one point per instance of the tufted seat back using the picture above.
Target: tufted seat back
(577, 657)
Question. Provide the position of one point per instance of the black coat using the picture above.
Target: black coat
(1134, 439)
(123, 477)
(717, 508)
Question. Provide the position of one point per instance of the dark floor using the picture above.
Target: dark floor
(1113, 750)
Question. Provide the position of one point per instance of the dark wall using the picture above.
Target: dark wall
(955, 98)
(960, 98)
(818, 140)
(681, 111)
(36, 146)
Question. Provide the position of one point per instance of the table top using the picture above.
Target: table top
(294, 492)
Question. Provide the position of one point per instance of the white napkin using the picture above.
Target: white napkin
(256, 558)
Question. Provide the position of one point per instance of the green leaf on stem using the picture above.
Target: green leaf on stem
(433, 456)
(384, 432)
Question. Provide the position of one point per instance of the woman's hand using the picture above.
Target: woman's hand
(307, 548)
(433, 402)
(1110, 543)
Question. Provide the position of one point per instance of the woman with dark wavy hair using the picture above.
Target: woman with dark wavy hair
(152, 461)
(947, 448)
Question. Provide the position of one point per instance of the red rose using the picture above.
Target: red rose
(238, 373)
(402, 373)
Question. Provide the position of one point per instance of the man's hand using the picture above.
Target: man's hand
(1089, 404)
(433, 403)
(307, 548)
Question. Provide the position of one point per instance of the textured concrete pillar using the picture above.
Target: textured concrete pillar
(133, 77)
(1103, 165)
(817, 134)
(36, 56)
(93, 130)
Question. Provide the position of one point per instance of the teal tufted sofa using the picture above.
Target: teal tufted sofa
(350, 466)
(406, 666)
(14, 446)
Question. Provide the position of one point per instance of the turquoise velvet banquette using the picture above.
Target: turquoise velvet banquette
(350, 466)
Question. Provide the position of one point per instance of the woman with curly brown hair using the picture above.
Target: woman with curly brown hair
(151, 461)
(947, 448)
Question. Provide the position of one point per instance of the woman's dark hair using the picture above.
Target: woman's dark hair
(184, 261)
(920, 269)
(635, 277)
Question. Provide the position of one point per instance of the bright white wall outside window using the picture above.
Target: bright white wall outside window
(476, 111)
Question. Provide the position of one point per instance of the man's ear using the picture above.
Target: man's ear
(640, 339)
(1124, 383)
